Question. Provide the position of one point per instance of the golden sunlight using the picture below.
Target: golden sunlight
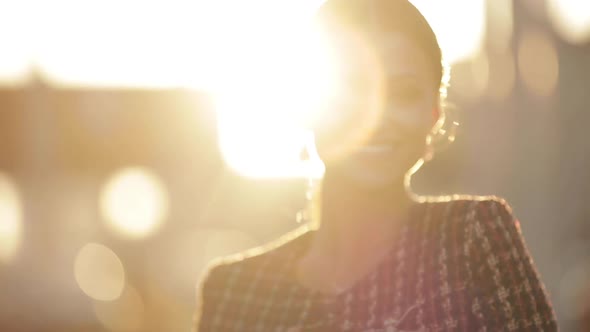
(269, 96)
(134, 202)
(459, 25)
(165, 44)
(571, 19)
(260, 58)
(99, 272)
(10, 219)
(16, 34)
(191, 41)
(114, 43)
(274, 94)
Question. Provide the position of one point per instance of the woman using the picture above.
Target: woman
(380, 258)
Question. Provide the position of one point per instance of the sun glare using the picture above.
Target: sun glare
(270, 94)
(459, 25)
(134, 202)
(185, 43)
(165, 44)
(128, 43)
(15, 33)
(261, 59)
(283, 77)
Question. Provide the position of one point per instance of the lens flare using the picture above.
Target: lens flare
(16, 34)
(134, 202)
(10, 219)
(187, 47)
(267, 92)
(270, 98)
(99, 272)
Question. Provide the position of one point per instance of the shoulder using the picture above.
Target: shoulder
(464, 215)
(237, 284)
(276, 249)
(251, 265)
(482, 225)
(468, 207)
(463, 199)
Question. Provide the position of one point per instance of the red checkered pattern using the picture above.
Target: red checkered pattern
(459, 264)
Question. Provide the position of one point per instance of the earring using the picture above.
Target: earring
(429, 154)
(444, 133)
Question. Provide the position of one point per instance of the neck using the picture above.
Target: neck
(356, 229)
(354, 219)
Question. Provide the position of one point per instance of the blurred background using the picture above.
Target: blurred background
(120, 180)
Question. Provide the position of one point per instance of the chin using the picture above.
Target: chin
(375, 182)
(374, 177)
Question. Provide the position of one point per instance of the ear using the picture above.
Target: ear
(429, 153)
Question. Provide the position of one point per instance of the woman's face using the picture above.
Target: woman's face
(386, 106)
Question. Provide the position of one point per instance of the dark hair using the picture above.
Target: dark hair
(378, 17)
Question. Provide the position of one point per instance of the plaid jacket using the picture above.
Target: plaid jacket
(459, 264)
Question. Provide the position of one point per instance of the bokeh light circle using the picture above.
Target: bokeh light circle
(134, 201)
(10, 218)
(99, 272)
